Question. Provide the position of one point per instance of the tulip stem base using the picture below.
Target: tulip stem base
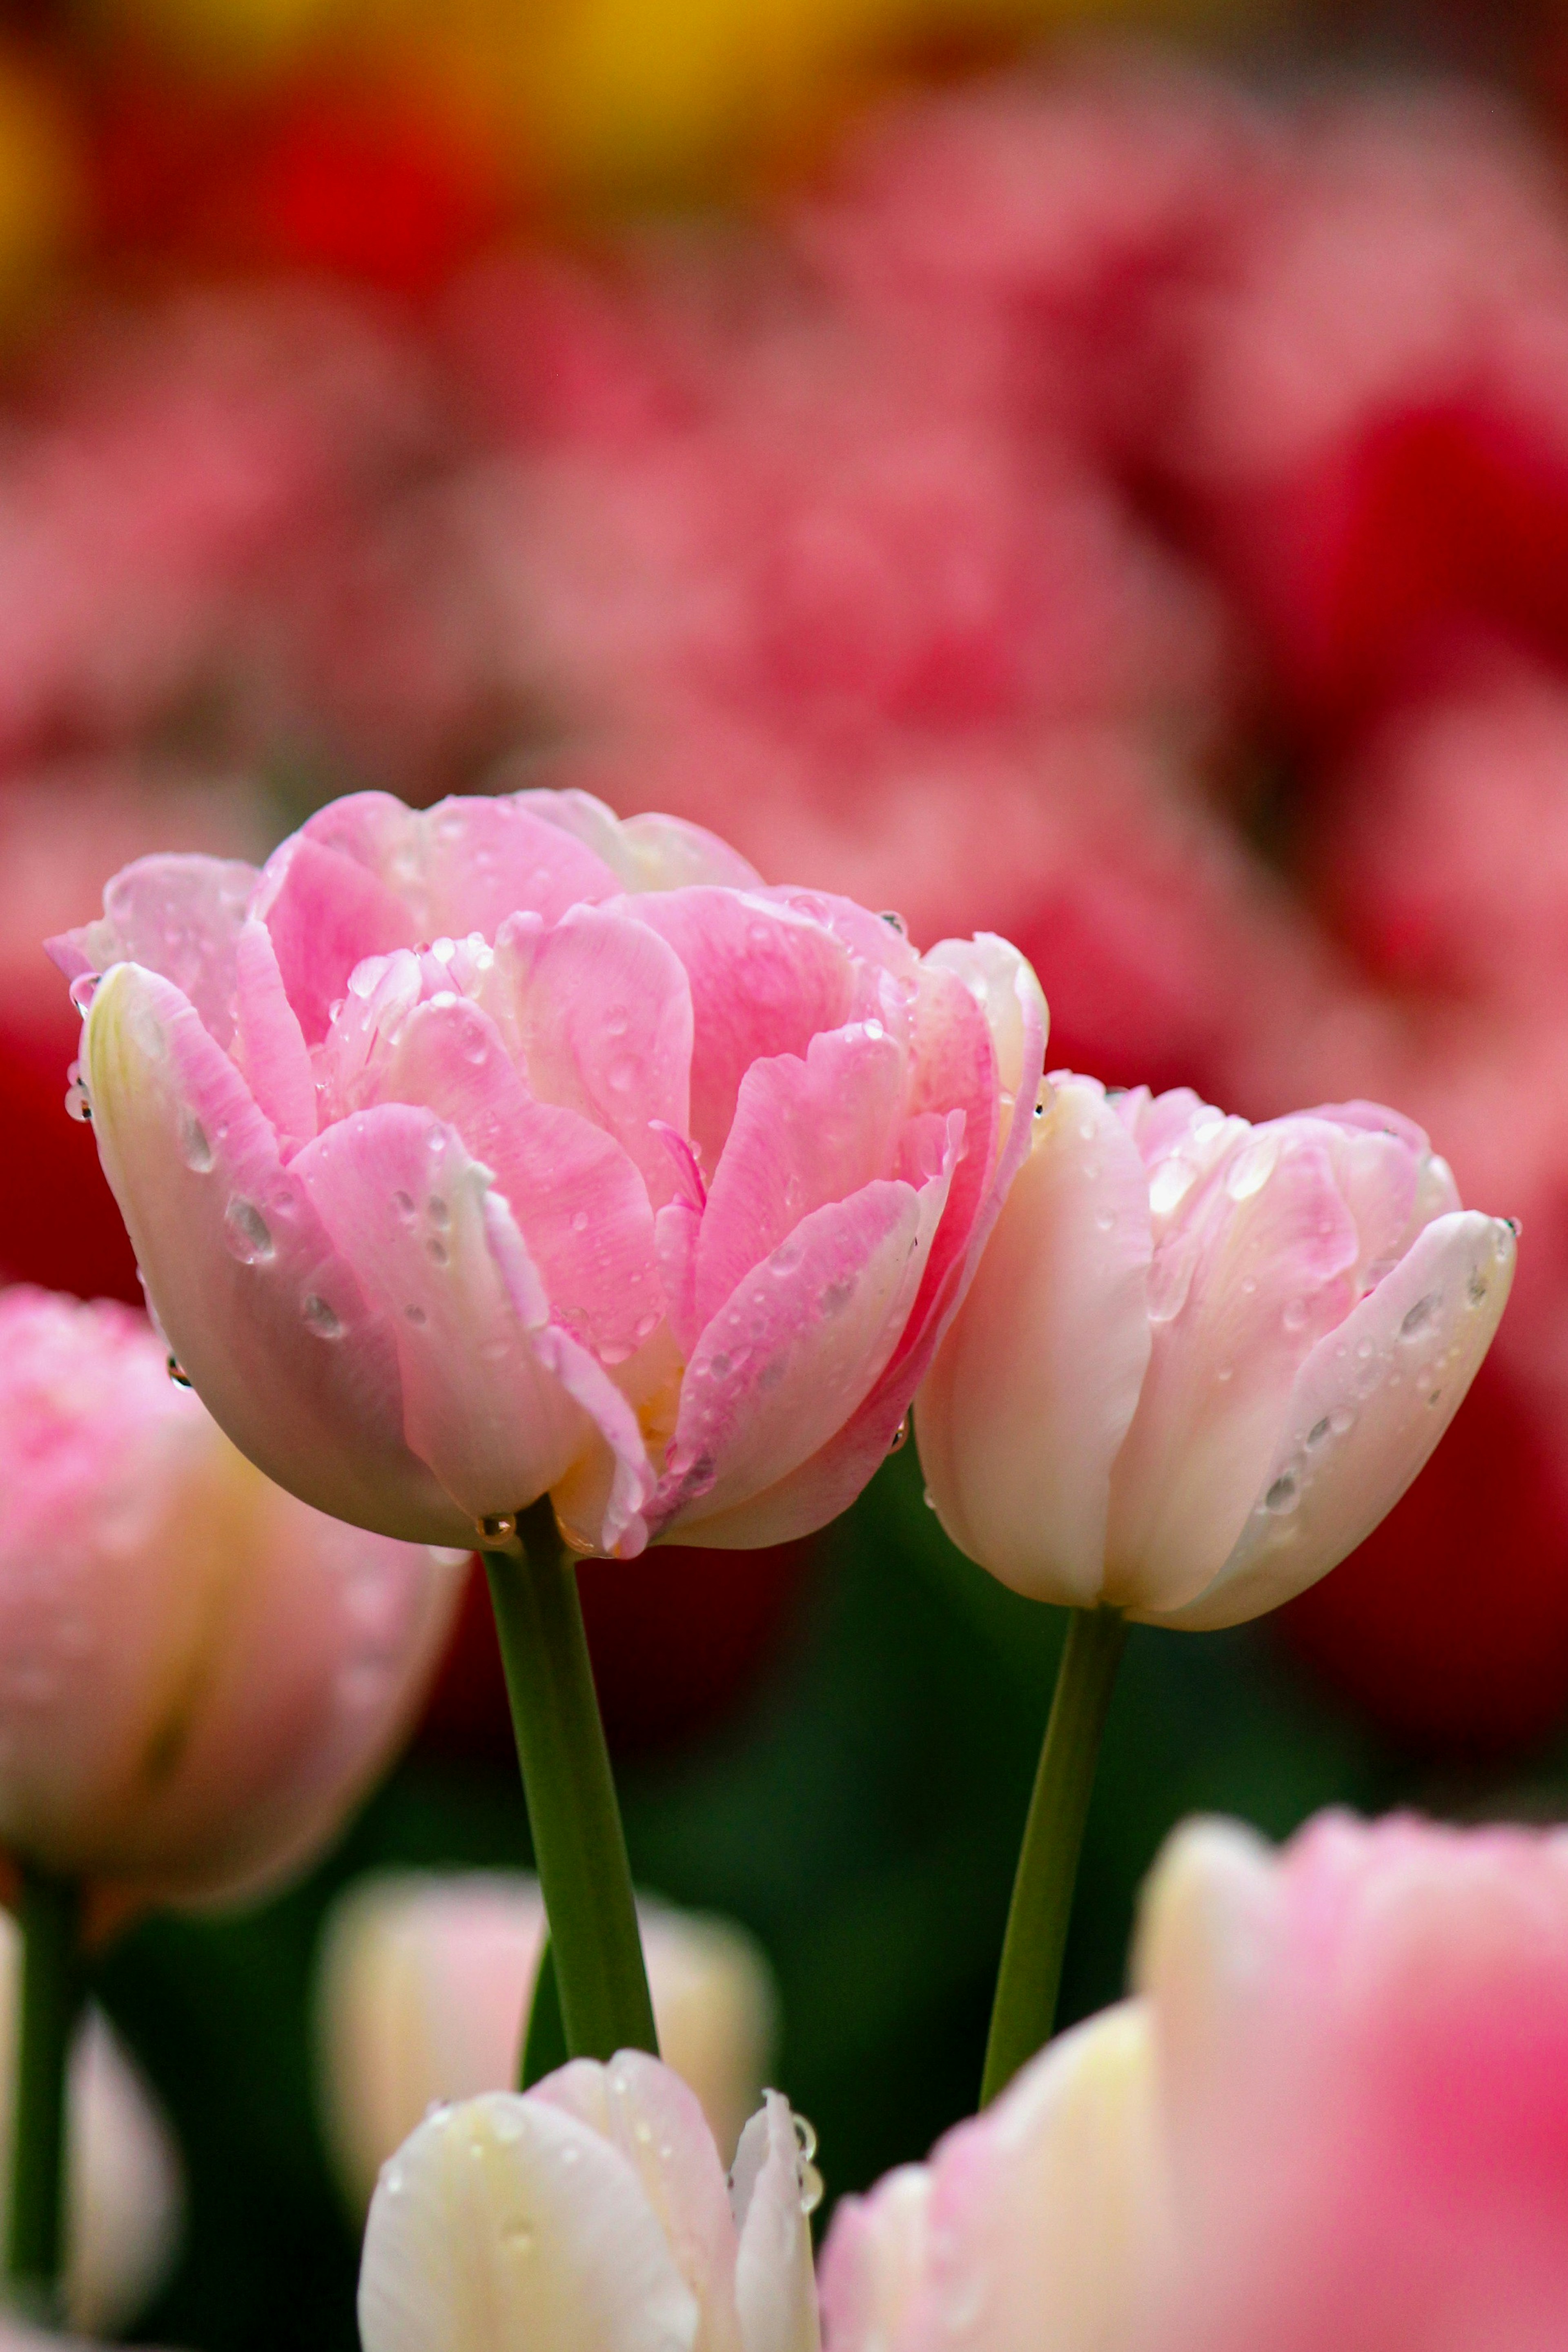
(51, 1995)
(1024, 2015)
(579, 1845)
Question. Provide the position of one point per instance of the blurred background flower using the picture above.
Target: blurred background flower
(1112, 493)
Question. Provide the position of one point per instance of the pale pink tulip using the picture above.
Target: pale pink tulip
(198, 1674)
(1335, 2115)
(1202, 1359)
(591, 2211)
(422, 1990)
(510, 1149)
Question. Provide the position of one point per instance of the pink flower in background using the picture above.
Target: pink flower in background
(1200, 1359)
(198, 1675)
(1334, 2115)
(593, 2210)
(508, 1148)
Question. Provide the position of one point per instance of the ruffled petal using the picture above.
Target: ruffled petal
(180, 917)
(326, 913)
(406, 1205)
(1365, 1410)
(646, 2111)
(782, 1368)
(763, 980)
(805, 1131)
(264, 1312)
(268, 1042)
(508, 2223)
(580, 1205)
(775, 2294)
(1034, 1387)
(644, 852)
(604, 1022)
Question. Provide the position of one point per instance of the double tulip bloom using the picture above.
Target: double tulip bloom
(1332, 2115)
(507, 1148)
(198, 1674)
(1202, 1359)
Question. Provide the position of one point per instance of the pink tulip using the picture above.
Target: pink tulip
(198, 1675)
(508, 1148)
(1362, 2060)
(1200, 1359)
(592, 2212)
(1335, 2115)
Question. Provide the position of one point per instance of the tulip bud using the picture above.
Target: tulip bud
(1200, 1360)
(1035, 2223)
(503, 1150)
(591, 2211)
(198, 1675)
(124, 2193)
(423, 1993)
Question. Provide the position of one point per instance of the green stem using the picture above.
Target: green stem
(544, 2042)
(1030, 1976)
(579, 1845)
(52, 1997)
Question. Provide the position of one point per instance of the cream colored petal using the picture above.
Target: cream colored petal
(504, 2225)
(773, 2190)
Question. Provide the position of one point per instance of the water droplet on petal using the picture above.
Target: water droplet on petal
(1283, 1495)
(580, 1221)
(83, 989)
(195, 1150)
(1418, 1317)
(247, 1234)
(415, 1315)
(435, 1250)
(181, 1379)
(319, 1318)
(1294, 1316)
(496, 1527)
(403, 1204)
(900, 1436)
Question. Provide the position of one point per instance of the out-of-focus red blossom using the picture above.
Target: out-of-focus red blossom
(676, 1639)
(369, 185)
(1372, 437)
(64, 830)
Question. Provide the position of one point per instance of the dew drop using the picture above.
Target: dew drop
(1418, 1317)
(1226, 1372)
(79, 1102)
(900, 1436)
(403, 1204)
(1319, 1431)
(719, 1366)
(1364, 1349)
(580, 1221)
(83, 989)
(895, 922)
(929, 1499)
(1252, 1168)
(1248, 1285)
(180, 1377)
(1475, 1289)
(1283, 1495)
(247, 1234)
(435, 1250)
(195, 1150)
(1104, 1222)
(1294, 1316)
(810, 2184)
(319, 1318)
(415, 1315)
(437, 1210)
(496, 1526)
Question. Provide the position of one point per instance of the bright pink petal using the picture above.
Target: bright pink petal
(326, 913)
(268, 1043)
(579, 1203)
(763, 982)
(406, 1205)
(605, 1014)
(784, 1363)
(181, 917)
(805, 1132)
(263, 1311)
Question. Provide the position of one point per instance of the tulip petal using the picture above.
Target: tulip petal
(1027, 1406)
(805, 1132)
(1047, 2211)
(406, 1203)
(776, 2295)
(326, 914)
(647, 2112)
(763, 981)
(1366, 1409)
(507, 2223)
(1241, 1287)
(580, 1205)
(605, 1021)
(181, 917)
(874, 2264)
(265, 1313)
(785, 1362)
(644, 852)
(268, 1042)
